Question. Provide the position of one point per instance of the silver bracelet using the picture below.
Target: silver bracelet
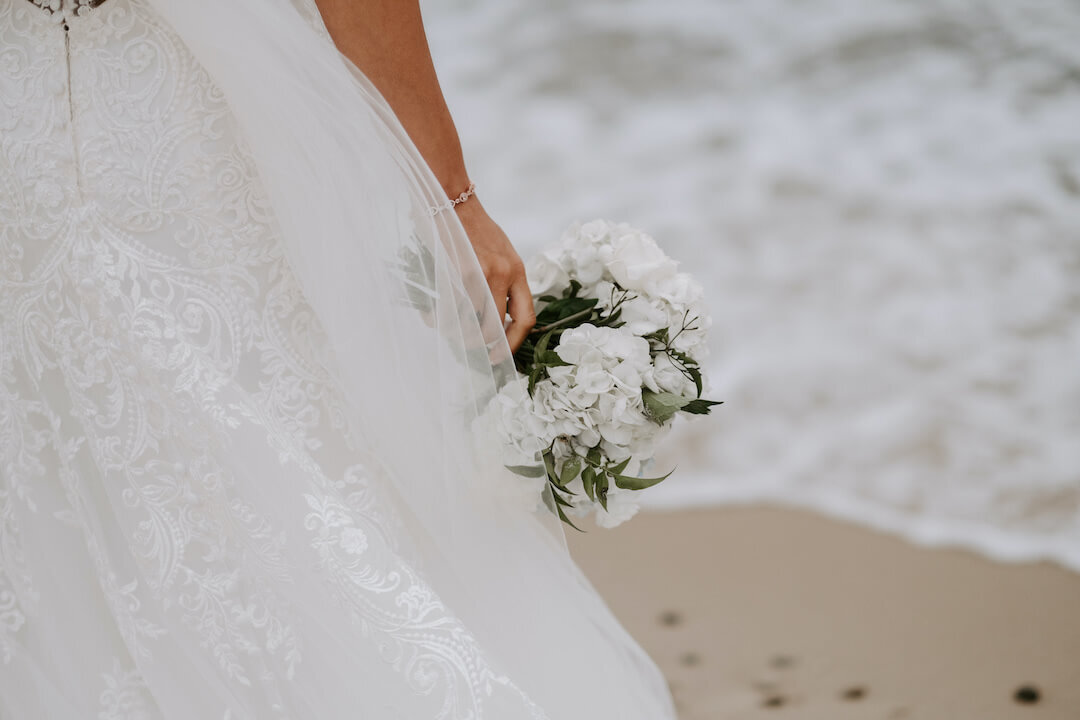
(450, 204)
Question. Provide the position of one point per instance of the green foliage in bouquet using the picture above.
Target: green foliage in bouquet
(661, 406)
(558, 314)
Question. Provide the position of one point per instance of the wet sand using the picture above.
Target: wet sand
(761, 612)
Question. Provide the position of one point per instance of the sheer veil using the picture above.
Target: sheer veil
(419, 350)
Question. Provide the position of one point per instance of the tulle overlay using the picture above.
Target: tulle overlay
(239, 367)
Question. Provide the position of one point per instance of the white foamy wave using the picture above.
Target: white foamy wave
(883, 201)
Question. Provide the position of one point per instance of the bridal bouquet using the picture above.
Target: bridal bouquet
(614, 356)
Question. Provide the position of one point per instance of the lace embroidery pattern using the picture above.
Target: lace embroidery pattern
(73, 7)
(147, 320)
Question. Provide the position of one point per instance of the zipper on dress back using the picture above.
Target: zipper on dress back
(72, 129)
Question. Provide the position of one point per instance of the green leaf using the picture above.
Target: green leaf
(588, 478)
(660, 406)
(695, 375)
(618, 468)
(542, 343)
(565, 308)
(549, 465)
(700, 407)
(593, 456)
(638, 483)
(560, 500)
(562, 516)
(660, 336)
(550, 358)
(570, 470)
(530, 471)
(602, 490)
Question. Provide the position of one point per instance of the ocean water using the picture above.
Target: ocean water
(883, 202)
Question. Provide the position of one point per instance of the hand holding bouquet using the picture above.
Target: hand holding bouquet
(614, 355)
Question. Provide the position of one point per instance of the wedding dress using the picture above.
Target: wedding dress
(241, 475)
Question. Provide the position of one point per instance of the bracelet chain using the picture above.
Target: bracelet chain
(451, 203)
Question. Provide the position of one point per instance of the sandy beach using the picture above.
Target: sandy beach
(762, 612)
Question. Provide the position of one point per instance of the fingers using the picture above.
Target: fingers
(498, 280)
(522, 312)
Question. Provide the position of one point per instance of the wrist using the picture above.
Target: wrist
(470, 210)
(453, 184)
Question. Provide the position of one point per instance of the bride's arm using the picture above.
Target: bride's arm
(386, 40)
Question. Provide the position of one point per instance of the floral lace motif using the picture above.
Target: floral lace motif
(149, 323)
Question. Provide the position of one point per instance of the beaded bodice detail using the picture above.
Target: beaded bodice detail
(67, 7)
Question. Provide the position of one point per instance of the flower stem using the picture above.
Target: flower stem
(563, 321)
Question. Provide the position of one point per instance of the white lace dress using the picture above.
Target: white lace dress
(147, 319)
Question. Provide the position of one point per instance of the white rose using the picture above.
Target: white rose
(545, 275)
(638, 262)
(586, 265)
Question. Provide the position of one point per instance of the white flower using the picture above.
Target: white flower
(605, 346)
(546, 275)
(587, 263)
(666, 376)
(680, 290)
(523, 430)
(510, 432)
(638, 262)
(643, 315)
(353, 540)
(621, 506)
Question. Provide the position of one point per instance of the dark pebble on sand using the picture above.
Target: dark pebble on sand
(690, 659)
(670, 618)
(1027, 695)
(854, 693)
(774, 701)
(782, 661)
